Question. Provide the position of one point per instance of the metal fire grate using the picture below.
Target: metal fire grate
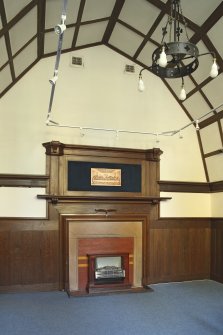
(109, 272)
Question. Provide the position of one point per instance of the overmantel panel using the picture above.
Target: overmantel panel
(58, 155)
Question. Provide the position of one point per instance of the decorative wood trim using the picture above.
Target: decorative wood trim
(23, 180)
(216, 186)
(184, 187)
(190, 187)
(54, 199)
(56, 148)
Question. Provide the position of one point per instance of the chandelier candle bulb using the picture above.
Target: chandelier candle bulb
(141, 86)
(182, 95)
(214, 69)
(162, 61)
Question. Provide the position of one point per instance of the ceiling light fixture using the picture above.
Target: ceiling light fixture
(174, 58)
(59, 30)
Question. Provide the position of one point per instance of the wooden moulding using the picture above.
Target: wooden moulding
(56, 148)
(54, 199)
(23, 180)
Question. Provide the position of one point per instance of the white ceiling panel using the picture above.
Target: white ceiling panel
(211, 139)
(145, 55)
(24, 30)
(97, 9)
(91, 33)
(213, 90)
(5, 78)
(3, 52)
(14, 7)
(139, 14)
(25, 58)
(54, 11)
(125, 40)
(205, 63)
(199, 10)
(215, 167)
(196, 106)
(215, 34)
(51, 40)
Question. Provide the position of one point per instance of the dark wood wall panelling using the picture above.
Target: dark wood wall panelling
(217, 250)
(180, 248)
(28, 255)
(28, 247)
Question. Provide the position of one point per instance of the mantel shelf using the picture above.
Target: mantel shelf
(54, 199)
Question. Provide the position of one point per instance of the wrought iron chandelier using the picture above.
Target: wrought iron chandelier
(174, 58)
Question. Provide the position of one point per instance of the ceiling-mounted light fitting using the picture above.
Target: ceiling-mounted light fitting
(197, 127)
(175, 58)
(214, 69)
(141, 86)
(54, 79)
(60, 28)
(183, 94)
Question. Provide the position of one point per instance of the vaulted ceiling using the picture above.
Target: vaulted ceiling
(131, 28)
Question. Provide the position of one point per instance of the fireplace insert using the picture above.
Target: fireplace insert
(109, 269)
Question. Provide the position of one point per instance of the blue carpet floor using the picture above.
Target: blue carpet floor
(188, 308)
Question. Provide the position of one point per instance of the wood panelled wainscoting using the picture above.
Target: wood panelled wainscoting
(217, 249)
(29, 252)
(179, 249)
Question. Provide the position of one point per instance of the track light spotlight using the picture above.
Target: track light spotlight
(197, 127)
(53, 80)
(60, 28)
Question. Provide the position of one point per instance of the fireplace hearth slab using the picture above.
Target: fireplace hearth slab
(107, 291)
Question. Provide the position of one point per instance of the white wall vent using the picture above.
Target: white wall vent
(130, 69)
(76, 61)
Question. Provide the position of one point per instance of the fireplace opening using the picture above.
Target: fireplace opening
(108, 270)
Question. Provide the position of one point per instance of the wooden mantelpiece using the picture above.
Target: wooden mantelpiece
(54, 199)
(106, 211)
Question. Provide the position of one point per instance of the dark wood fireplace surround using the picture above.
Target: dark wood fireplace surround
(102, 213)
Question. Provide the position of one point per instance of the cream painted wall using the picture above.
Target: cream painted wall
(22, 202)
(186, 205)
(99, 95)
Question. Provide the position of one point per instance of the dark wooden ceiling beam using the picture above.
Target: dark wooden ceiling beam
(214, 118)
(113, 19)
(8, 25)
(159, 4)
(150, 32)
(41, 14)
(7, 39)
(208, 24)
(78, 23)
